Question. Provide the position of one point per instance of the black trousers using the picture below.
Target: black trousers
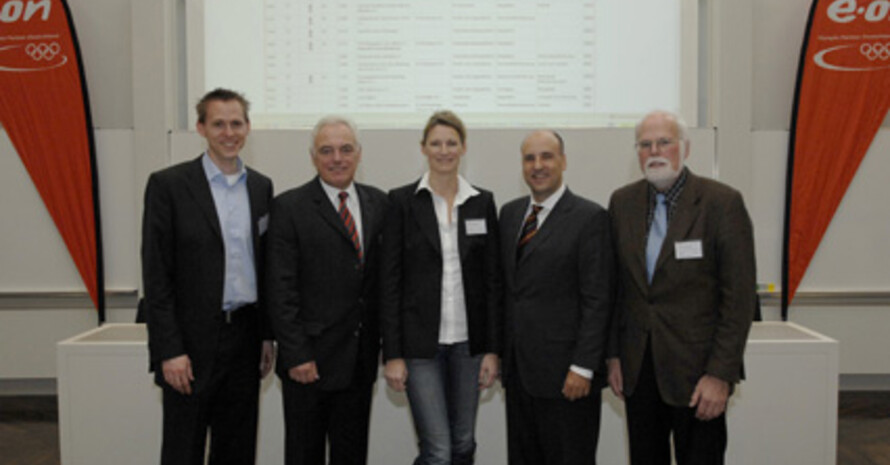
(314, 417)
(227, 405)
(551, 431)
(650, 422)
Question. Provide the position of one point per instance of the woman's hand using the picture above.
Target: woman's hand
(396, 373)
(488, 371)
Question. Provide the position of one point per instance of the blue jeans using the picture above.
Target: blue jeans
(444, 396)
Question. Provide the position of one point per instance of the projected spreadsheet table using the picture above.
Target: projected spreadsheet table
(373, 56)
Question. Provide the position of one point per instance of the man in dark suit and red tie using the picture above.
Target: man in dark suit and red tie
(202, 263)
(685, 301)
(322, 291)
(557, 260)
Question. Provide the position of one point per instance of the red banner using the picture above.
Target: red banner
(843, 94)
(44, 110)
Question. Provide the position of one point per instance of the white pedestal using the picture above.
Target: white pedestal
(109, 409)
(786, 411)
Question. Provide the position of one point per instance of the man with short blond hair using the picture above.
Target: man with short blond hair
(202, 263)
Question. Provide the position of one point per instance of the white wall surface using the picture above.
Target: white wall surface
(131, 49)
(103, 31)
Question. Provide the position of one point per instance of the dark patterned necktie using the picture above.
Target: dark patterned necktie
(349, 223)
(529, 229)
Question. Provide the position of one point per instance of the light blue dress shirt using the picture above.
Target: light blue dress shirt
(233, 210)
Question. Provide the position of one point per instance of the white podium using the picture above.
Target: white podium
(109, 408)
(785, 412)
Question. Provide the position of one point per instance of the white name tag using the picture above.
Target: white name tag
(263, 224)
(688, 250)
(476, 227)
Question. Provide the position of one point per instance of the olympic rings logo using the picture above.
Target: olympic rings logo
(875, 51)
(43, 51)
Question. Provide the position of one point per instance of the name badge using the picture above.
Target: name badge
(263, 224)
(688, 250)
(476, 227)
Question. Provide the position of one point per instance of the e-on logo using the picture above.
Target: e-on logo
(845, 11)
(14, 10)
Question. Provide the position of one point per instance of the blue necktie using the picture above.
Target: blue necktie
(656, 235)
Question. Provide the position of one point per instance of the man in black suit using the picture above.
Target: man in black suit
(322, 263)
(202, 258)
(558, 271)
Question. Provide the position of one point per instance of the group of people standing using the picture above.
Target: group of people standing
(556, 296)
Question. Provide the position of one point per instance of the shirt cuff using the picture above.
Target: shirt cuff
(588, 374)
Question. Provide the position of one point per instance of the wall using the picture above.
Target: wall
(131, 53)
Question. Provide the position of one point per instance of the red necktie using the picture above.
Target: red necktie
(349, 223)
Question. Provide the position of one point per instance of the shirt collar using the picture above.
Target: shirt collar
(213, 172)
(551, 201)
(465, 190)
(334, 192)
(673, 192)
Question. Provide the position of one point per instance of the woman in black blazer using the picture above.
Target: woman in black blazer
(441, 302)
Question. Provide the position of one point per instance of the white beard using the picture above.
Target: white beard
(662, 177)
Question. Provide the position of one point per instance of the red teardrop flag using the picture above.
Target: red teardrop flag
(44, 110)
(843, 94)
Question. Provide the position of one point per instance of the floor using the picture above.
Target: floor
(863, 428)
(29, 433)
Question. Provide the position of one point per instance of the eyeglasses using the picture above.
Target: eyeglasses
(661, 144)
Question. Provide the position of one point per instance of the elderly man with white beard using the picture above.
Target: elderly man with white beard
(685, 300)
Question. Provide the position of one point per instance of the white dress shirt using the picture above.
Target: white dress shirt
(546, 206)
(453, 322)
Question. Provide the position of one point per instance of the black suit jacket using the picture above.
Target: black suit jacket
(183, 264)
(411, 276)
(697, 311)
(322, 299)
(557, 297)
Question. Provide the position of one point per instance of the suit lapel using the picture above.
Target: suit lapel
(199, 188)
(474, 208)
(425, 215)
(637, 229)
(327, 211)
(370, 216)
(510, 224)
(255, 197)
(561, 211)
(463, 212)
